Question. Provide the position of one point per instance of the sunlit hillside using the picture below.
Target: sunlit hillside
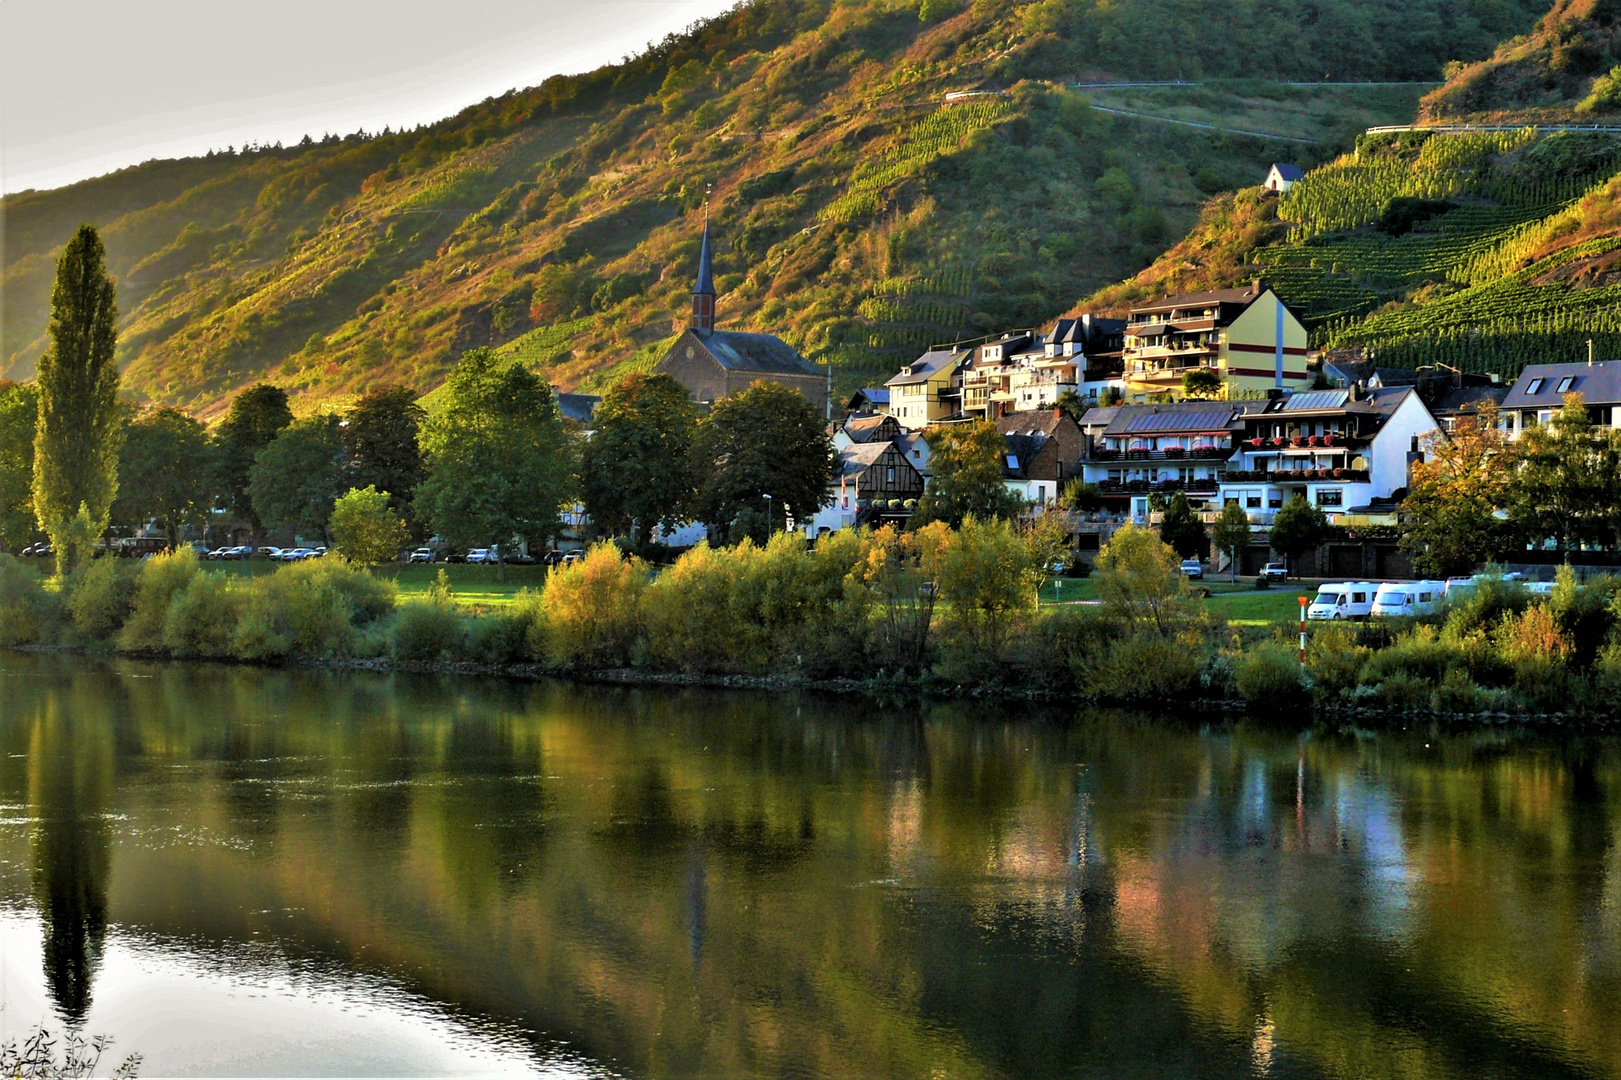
(857, 212)
(1481, 249)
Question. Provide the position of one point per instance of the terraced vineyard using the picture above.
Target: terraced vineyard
(1485, 251)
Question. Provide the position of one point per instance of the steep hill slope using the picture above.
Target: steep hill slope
(1561, 67)
(858, 213)
(1485, 250)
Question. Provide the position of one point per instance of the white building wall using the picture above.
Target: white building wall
(1387, 454)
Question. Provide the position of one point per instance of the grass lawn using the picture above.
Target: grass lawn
(473, 586)
(1242, 604)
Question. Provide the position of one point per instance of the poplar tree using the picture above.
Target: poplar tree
(80, 427)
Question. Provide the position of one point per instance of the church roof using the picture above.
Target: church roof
(754, 352)
(706, 274)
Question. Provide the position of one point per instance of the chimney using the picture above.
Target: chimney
(1256, 284)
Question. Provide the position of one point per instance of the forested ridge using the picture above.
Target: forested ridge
(856, 214)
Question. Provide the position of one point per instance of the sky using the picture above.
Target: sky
(90, 87)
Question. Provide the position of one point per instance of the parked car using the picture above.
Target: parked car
(423, 555)
(1396, 598)
(1342, 600)
(573, 557)
(552, 558)
(480, 556)
(1192, 569)
(1275, 571)
(268, 552)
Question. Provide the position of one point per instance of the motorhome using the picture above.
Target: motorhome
(1408, 598)
(1342, 600)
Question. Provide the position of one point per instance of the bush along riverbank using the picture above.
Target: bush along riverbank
(941, 610)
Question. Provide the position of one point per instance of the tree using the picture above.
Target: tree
(1070, 402)
(967, 467)
(768, 440)
(1298, 528)
(1231, 534)
(257, 416)
(380, 444)
(1183, 530)
(499, 463)
(19, 418)
(1564, 481)
(80, 426)
(636, 472)
(1082, 497)
(1140, 580)
(1451, 519)
(365, 528)
(1201, 383)
(296, 479)
(165, 471)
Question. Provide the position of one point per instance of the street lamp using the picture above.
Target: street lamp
(768, 517)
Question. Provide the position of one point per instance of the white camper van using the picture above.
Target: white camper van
(1344, 600)
(1408, 598)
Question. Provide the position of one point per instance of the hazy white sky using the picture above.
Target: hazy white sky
(88, 86)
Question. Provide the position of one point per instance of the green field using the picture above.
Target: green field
(1242, 604)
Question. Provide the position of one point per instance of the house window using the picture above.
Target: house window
(1534, 387)
(891, 471)
(1330, 497)
(1274, 501)
(1566, 383)
(1544, 415)
(1252, 502)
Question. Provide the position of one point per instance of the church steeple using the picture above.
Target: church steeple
(703, 293)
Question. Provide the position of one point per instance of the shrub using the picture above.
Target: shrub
(1334, 660)
(1419, 654)
(1270, 675)
(431, 629)
(589, 612)
(686, 612)
(294, 614)
(370, 597)
(201, 620)
(1401, 690)
(1141, 667)
(27, 610)
(1485, 607)
(160, 579)
(100, 597)
(1457, 692)
(1583, 614)
(499, 637)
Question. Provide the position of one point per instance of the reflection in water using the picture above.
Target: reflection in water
(692, 884)
(69, 776)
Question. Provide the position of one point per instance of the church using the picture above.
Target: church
(712, 363)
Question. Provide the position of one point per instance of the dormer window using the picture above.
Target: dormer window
(1566, 383)
(1534, 387)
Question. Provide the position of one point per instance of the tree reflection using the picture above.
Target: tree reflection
(70, 763)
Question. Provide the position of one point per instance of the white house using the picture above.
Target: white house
(1281, 178)
(1341, 449)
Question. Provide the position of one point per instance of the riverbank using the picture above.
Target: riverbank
(937, 612)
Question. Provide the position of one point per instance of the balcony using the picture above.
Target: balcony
(1296, 476)
(1302, 442)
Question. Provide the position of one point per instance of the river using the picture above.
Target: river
(238, 871)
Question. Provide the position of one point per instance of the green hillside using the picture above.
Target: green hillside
(1482, 249)
(857, 213)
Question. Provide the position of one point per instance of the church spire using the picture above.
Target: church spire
(703, 293)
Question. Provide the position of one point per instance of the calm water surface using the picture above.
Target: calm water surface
(237, 871)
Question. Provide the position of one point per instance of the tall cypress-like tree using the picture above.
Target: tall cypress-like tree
(80, 428)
